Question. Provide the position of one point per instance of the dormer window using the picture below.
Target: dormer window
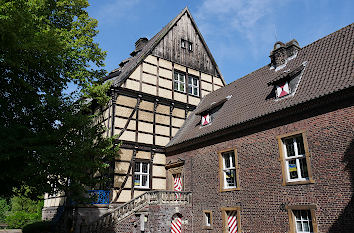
(206, 119)
(286, 83)
(283, 89)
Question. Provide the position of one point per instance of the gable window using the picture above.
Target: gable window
(228, 170)
(193, 85)
(208, 222)
(141, 175)
(190, 46)
(183, 43)
(231, 219)
(179, 81)
(295, 158)
(302, 219)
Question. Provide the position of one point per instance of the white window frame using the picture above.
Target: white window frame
(231, 154)
(192, 78)
(302, 221)
(297, 158)
(177, 82)
(142, 174)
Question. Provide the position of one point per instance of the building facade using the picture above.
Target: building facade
(273, 151)
(269, 152)
(152, 93)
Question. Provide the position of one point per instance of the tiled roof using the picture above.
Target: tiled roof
(118, 78)
(329, 69)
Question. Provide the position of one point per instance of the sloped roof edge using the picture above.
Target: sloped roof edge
(152, 43)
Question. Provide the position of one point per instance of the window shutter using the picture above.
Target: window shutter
(232, 221)
(283, 89)
(176, 225)
(205, 119)
(178, 182)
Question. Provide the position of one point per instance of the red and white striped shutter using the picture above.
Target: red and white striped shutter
(205, 119)
(176, 225)
(178, 182)
(283, 89)
(232, 221)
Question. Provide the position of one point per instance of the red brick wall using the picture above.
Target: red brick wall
(262, 196)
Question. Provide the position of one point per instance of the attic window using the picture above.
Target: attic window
(283, 89)
(190, 46)
(183, 43)
(186, 44)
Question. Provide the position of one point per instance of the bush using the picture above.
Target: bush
(18, 219)
(38, 227)
(4, 209)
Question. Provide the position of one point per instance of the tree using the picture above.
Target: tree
(49, 139)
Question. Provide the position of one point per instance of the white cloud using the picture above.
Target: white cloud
(250, 20)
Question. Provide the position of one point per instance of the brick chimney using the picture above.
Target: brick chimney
(281, 52)
(139, 44)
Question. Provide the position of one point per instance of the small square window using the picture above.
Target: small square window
(141, 175)
(231, 217)
(228, 170)
(208, 221)
(295, 158)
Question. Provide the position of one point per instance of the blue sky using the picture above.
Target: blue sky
(239, 33)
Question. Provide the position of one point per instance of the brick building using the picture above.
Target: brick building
(270, 152)
(273, 151)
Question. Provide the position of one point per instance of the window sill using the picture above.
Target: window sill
(142, 188)
(300, 182)
(229, 189)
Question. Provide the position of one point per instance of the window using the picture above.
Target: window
(193, 85)
(208, 222)
(228, 170)
(295, 159)
(183, 43)
(179, 81)
(190, 46)
(141, 175)
(302, 219)
(231, 219)
(186, 44)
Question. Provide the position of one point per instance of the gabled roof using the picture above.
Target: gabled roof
(118, 78)
(329, 69)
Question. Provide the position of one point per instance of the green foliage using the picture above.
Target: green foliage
(38, 227)
(49, 142)
(23, 211)
(4, 208)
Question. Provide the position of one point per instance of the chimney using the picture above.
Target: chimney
(281, 52)
(139, 44)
